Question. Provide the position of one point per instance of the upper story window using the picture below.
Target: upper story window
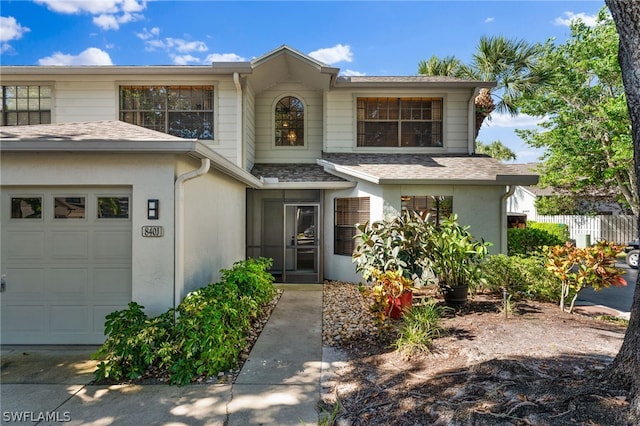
(399, 122)
(289, 122)
(23, 105)
(183, 111)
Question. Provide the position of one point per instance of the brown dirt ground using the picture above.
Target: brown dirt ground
(538, 366)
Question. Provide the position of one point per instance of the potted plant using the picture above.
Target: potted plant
(392, 294)
(455, 258)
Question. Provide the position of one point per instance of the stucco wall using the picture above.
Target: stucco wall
(479, 207)
(214, 225)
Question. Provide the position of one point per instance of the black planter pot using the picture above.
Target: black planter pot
(455, 295)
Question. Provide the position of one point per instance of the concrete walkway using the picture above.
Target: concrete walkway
(279, 383)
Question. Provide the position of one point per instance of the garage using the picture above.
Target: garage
(66, 262)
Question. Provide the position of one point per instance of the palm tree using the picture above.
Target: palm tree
(510, 63)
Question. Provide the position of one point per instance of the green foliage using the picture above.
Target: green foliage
(528, 241)
(522, 277)
(578, 268)
(557, 204)
(419, 327)
(396, 244)
(560, 230)
(586, 131)
(206, 337)
(496, 149)
(455, 256)
(387, 287)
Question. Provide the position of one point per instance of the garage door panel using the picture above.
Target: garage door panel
(24, 282)
(21, 318)
(63, 275)
(70, 319)
(112, 245)
(112, 282)
(24, 245)
(69, 245)
(69, 283)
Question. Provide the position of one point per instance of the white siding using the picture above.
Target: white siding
(266, 151)
(249, 129)
(226, 135)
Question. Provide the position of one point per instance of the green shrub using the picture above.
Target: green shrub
(523, 277)
(206, 337)
(560, 230)
(529, 241)
(420, 326)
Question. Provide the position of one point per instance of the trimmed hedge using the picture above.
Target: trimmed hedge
(560, 230)
(529, 241)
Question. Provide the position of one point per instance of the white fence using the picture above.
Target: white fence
(619, 229)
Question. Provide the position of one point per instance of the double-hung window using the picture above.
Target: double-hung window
(183, 111)
(399, 122)
(24, 105)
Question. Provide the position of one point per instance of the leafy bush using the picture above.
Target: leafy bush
(206, 337)
(523, 277)
(560, 230)
(419, 327)
(530, 241)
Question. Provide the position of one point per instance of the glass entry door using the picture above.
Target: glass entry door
(301, 243)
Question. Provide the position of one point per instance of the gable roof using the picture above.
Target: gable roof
(426, 169)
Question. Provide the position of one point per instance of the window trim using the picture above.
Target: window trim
(214, 101)
(305, 146)
(52, 99)
(404, 149)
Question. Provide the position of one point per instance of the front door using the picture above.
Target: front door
(301, 243)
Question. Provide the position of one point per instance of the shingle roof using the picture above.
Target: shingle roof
(427, 167)
(294, 173)
(90, 131)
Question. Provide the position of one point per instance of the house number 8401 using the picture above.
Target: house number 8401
(152, 231)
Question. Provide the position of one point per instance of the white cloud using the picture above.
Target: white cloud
(185, 59)
(109, 14)
(148, 34)
(568, 17)
(223, 57)
(332, 55)
(518, 121)
(352, 73)
(489, 20)
(90, 56)
(10, 30)
(184, 46)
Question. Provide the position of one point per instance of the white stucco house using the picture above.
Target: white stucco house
(140, 183)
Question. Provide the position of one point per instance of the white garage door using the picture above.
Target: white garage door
(66, 263)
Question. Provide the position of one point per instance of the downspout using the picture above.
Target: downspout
(471, 131)
(503, 218)
(178, 190)
(239, 144)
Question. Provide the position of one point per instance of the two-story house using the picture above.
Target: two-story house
(140, 183)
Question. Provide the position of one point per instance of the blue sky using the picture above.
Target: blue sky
(359, 37)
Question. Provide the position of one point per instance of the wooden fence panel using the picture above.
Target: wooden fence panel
(619, 229)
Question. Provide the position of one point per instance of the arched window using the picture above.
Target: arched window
(289, 122)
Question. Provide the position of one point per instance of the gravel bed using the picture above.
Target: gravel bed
(346, 317)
